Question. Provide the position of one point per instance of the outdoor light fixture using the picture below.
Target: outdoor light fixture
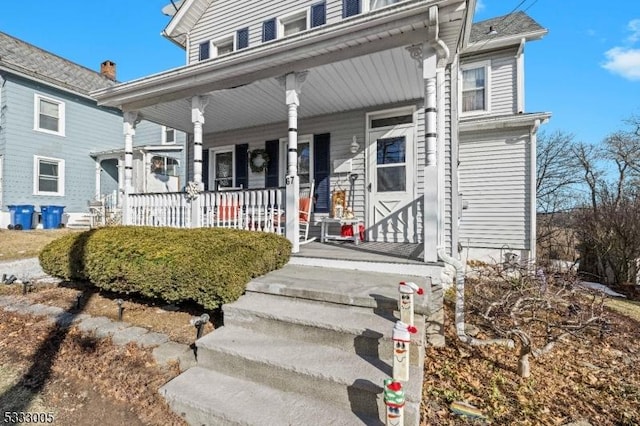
(355, 146)
(492, 31)
(199, 323)
(120, 308)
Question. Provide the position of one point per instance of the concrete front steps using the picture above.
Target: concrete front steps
(294, 355)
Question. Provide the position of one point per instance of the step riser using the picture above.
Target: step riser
(369, 343)
(361, 396)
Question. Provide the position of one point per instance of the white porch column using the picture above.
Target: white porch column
(98, 170)
(293, 83)
(130, 121)
(198, 104)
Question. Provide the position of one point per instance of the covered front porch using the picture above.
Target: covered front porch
(356, 108)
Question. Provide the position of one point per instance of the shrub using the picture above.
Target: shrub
(210, 266)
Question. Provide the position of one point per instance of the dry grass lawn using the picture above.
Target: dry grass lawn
(24, 244)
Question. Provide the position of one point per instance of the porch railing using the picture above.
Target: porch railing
(257, 210)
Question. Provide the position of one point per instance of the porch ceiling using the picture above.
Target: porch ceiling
(381, 78)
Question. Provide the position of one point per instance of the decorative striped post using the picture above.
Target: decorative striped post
(401, 337)
(394, 400)
(406, 300)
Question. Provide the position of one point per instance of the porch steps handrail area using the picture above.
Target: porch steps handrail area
(255, 210)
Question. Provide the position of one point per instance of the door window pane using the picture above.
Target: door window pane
(391, 167)
(392, 179)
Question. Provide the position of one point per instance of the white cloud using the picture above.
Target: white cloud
(624, 62)
(634, 27)
(480, 6)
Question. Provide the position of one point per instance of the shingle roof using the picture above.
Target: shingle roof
(507, 25)
(30, 60)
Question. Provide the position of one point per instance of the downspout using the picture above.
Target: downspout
(459, 316)
(533, 140)
(520, 76)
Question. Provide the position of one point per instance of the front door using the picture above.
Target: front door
(390, 183)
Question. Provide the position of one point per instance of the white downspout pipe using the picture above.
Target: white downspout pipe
(533, 140)
(460, 323)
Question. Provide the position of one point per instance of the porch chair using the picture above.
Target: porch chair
(305, 205)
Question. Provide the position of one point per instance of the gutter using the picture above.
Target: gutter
(460, 323)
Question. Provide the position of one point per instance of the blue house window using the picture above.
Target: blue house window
(204, 51)
(48, 176)
(318, 14)
(49, 115)
(269, 30)
(350, 8)
(242, 38)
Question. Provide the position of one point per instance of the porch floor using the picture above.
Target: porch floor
(367, 251)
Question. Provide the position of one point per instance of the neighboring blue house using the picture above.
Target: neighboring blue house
(58, 147)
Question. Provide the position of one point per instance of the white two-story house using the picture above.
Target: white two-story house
(413, 110)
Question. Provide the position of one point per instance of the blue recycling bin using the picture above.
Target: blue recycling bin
(51, 216)
(21, 216)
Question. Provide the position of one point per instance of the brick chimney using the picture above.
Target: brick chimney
(108, 69)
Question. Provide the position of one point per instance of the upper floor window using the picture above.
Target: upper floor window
(269, 30)
(475, 87)
(48, 176)
(168, 135)
(223, 46)
(354, 7)
(292, 24)
(49, 115)
(203, 52)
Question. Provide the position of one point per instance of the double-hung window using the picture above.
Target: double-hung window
(223, 46)
(222, 167)
(49, 115)
(48, 176)
(168, 135)
(305, 158)
(475, 88)
(165, 166)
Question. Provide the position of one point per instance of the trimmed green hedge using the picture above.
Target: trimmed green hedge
(210, 266)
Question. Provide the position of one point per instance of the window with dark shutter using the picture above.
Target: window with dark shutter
(204, 51)
(321, 171)
(243, 38)
(350, 8)
(318, 14)
(269, 30)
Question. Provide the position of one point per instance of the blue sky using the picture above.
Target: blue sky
(586, 71)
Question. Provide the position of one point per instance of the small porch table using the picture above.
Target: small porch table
(355, 226)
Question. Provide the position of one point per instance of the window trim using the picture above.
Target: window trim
(223, 40)
(36, 115)
(164, 140)
(284, 160)
(281, 21)
(36, 175)
(212, 165)
(486, 64)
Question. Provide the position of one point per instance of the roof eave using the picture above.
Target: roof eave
(29, 75)
(500, 42)
(503, 122)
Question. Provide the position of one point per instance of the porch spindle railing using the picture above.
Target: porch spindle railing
(256, 210)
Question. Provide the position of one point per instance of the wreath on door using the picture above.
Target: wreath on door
(258, 160)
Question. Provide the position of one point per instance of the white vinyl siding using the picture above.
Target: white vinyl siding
(494, 182)
(227, 16)
(501, 82)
